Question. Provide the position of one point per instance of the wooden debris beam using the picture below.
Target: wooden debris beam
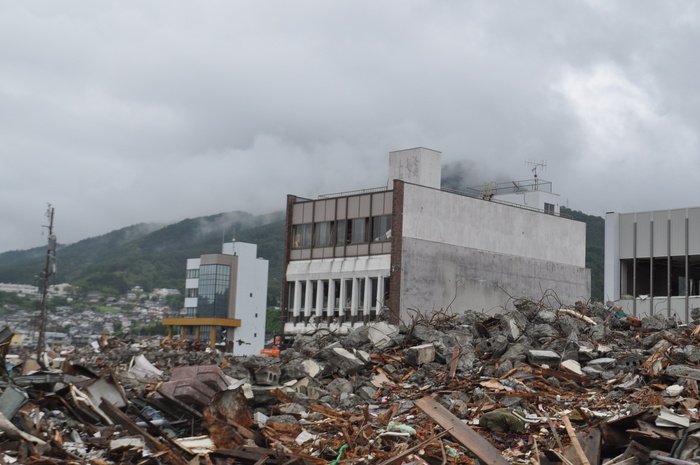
(461, 432)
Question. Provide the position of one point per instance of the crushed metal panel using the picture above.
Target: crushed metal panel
(11, 401)
(84, 404)
(106, 388)
(140, 366)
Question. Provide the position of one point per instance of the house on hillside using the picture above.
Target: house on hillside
(225, 299)
(652, 261)
(411, 246)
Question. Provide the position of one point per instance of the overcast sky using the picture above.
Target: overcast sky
(125, 112)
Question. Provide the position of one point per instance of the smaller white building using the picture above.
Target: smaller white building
(225, 299)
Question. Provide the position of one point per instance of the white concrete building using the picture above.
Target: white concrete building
(225, 299)
(413, 247)
(33, 291)
(25, 289)
(652, 261)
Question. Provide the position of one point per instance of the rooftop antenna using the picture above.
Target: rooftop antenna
(536, 164)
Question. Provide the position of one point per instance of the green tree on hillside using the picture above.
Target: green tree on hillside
(595, 249)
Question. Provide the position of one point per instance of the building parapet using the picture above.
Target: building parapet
(370, 190)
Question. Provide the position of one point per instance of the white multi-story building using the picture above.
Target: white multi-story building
(225, 299)
(652, 261)
(414, 247)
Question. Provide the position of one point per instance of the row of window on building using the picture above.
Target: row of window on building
(342, 232)
(338, 300)
(659, 276)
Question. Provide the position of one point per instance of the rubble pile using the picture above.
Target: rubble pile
(585, 384)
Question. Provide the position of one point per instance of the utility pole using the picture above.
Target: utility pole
(49, 270)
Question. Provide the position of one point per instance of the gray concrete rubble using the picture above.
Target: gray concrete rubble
(510, 385)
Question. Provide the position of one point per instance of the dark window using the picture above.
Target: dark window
(549, 208)
(374, 302)
(292, 288)
(192, 273)
(192, 292)
(361, 293)
(322, 234)
(302, 235)
(342, 235)
(381, 228)
(358, 230)
(347, 298)
(204, 333)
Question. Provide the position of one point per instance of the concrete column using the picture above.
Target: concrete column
(297, 298)
(170, 331)
(331, 297)
(183, 332)
(380, 293)
(212, 337)
(196, 332)
(353, 301)
(368, 295)
(307, 297)
(341, 297)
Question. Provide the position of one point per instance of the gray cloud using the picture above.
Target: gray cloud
(123, 112)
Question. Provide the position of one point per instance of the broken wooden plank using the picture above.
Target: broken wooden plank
(455, 359)
(590, 442)
(580, 454)
(461, 432)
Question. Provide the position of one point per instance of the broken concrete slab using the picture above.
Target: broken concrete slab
(572, 366)
(543, 357)
(542, 330)
(602, 364)
(344, 360)
(496, 345)
(510, 327)
(683, 371)
(382, 335)
(419, 355)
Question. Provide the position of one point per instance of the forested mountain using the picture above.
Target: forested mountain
(150, 255)
(155, 255)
